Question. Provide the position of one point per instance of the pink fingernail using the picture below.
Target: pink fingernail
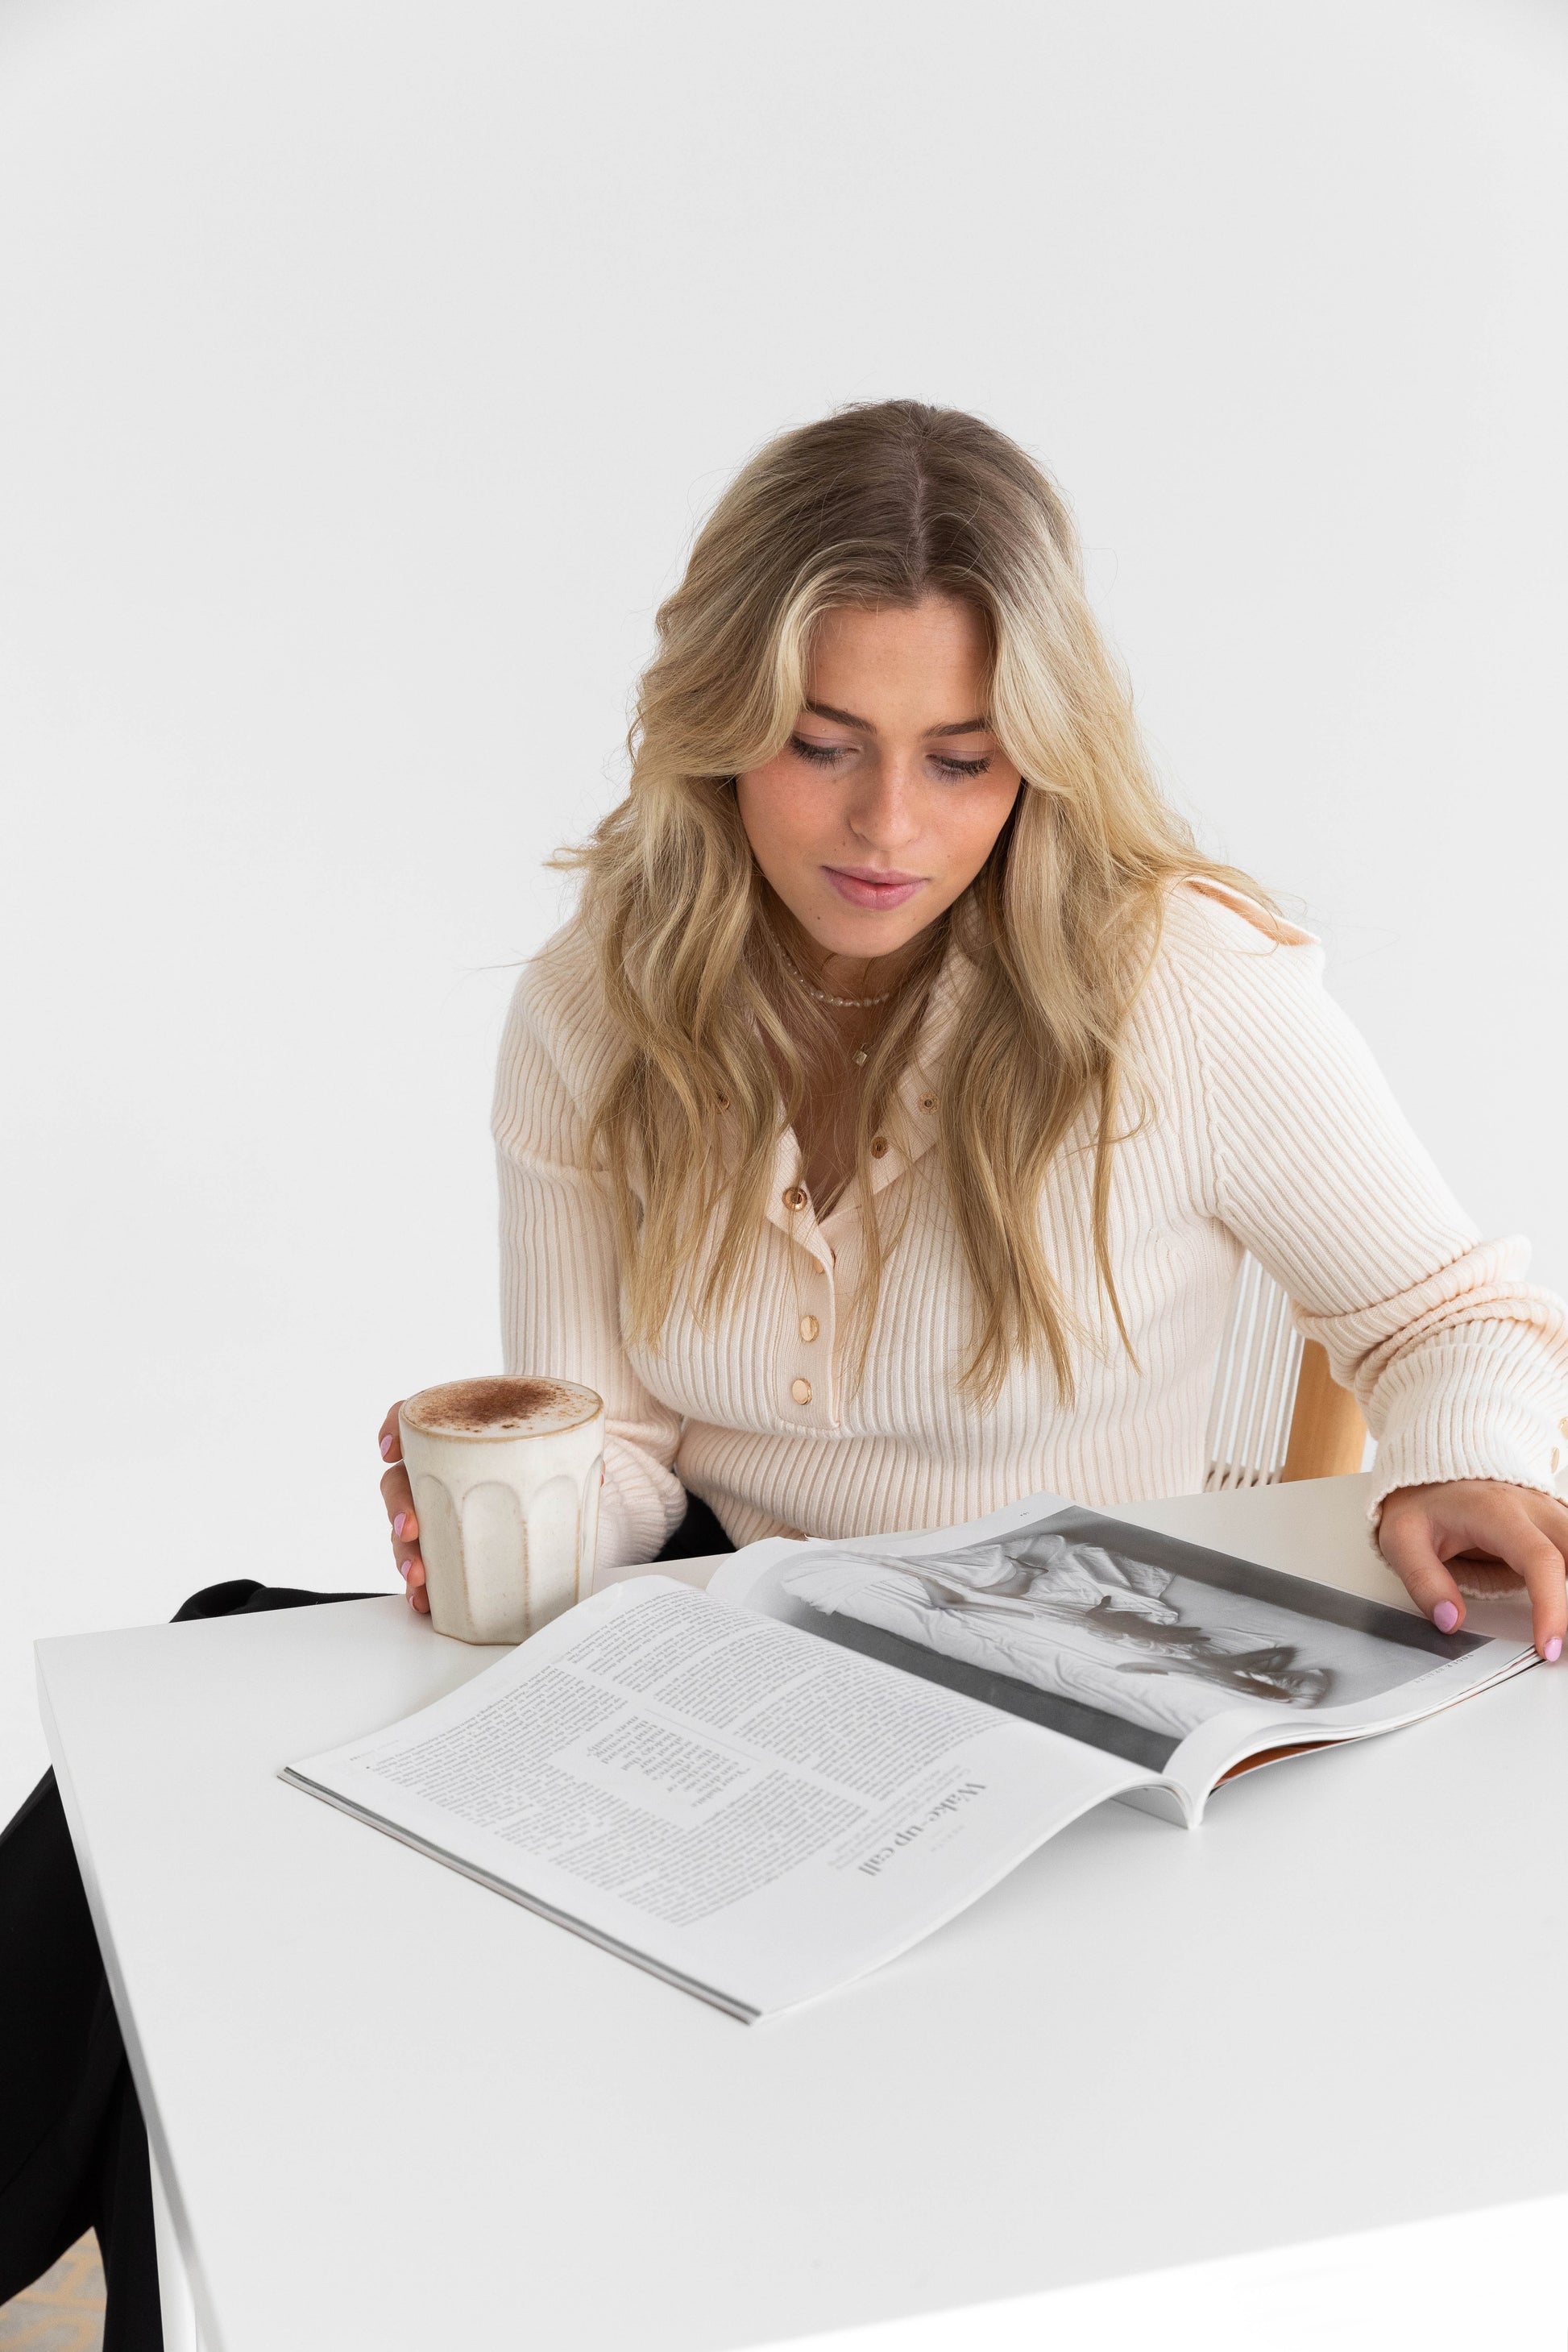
(399, 1523)
(1444, 1616)
(1555, 1649)
(386, 1447)
(402, 1568)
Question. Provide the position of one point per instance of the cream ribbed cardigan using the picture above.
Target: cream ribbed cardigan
(1265, 1124)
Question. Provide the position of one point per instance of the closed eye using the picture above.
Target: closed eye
(820, 755)
(825, 755)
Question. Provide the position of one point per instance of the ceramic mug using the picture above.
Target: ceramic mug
(505, 1474)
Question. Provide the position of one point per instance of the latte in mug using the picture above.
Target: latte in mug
(505, 1476)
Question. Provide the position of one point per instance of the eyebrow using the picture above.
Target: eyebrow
(848, 718)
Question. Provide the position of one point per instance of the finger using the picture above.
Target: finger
(389, 1436)
(398, 1497)
(1408, 1547)
(1536, 1559)
(405, 1551)
(418, 1595)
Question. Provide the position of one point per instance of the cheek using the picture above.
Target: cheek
(972, 832)
(779, 819)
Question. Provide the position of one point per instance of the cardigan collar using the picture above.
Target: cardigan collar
(912, 1136)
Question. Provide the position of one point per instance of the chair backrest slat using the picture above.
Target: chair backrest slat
(1255, 1384)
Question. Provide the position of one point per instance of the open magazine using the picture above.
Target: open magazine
(763, 1790)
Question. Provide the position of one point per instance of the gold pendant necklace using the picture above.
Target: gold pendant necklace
(859, 1055)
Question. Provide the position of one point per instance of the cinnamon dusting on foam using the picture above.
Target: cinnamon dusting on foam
(498, 1405)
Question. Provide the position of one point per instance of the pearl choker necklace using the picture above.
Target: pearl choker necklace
(849, 1004)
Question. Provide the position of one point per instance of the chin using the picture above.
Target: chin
(877, 937)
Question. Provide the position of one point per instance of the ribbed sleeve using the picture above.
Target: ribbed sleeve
(1459, 1366)
(560, 1281)
(1258, 1121)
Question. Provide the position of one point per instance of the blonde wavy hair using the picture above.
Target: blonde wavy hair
(879, 505)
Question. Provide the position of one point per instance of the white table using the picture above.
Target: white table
(392, 2112)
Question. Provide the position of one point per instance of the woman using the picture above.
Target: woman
(881, 1137)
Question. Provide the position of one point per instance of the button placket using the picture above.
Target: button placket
(812, 1335)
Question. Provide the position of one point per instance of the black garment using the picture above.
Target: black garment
(73, 2155)
(73, 2152)
(697, 1534)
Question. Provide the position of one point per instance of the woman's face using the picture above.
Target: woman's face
(884, 803)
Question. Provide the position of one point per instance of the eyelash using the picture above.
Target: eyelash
(824, 755)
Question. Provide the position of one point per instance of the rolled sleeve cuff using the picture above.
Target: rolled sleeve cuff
(1454, 1419)
(639, 1506)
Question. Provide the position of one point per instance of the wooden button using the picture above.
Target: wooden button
(801, 1392)
(795, 1197)
(809, 1327)
(878, 1146)
(927, 1102)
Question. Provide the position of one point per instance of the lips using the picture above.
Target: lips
(867, 886)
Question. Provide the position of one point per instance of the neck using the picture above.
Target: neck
(844, 975)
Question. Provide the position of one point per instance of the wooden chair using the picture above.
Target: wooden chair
(1276, 1413)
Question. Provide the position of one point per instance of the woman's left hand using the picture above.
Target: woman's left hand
(1483, 1522)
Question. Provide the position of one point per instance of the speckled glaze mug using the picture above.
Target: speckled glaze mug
(505, 1474)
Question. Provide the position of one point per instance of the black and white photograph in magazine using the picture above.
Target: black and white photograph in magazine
(1127, 1638)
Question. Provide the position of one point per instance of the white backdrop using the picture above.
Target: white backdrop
(365, 365)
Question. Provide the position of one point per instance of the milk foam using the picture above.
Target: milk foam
(500, 1406)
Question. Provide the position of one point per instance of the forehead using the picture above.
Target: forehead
(930, 654)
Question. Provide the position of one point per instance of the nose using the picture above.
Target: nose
(883, 810)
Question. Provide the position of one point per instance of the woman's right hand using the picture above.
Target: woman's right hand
(398, 1497)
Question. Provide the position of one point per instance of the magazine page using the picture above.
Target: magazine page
(752, 1812)
(1165, 1653)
